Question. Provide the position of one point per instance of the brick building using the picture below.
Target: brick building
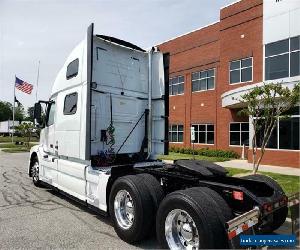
(255, 41)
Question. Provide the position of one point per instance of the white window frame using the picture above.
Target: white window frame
(177, 132)
(240, 131)
(197, 132)
(240, 69)
(199, 72)
(289, 52)
(179, 83)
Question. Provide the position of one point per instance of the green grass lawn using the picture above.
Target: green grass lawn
(177, 156)
(8, 139)
(15, 150)
(10, 145)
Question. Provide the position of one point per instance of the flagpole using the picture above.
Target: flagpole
(12, 137)
(37, 81)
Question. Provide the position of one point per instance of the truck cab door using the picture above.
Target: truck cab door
(48, 171)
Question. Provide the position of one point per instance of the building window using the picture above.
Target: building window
(241, 70)
(203, 80)
(282, 59)
(176, 85)
(70, 105)
(239, 133)
(286, 133)
(204, 133)
(176, 133)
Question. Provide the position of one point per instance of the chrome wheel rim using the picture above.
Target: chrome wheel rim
(181, 231)
(124, 209)
(35, 172)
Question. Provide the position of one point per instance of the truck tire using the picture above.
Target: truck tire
(35, 171)
(155, 189)
(280, 215)
(188, 219)
(131, 208)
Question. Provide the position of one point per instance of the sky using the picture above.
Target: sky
(48, 30)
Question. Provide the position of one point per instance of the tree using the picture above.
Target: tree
(19, 113)
(30, 114)
(26, 130)
(5, 111)
(264, 105)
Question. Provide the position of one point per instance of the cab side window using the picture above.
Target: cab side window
(72, 69)
(70, 104)
(51, 114)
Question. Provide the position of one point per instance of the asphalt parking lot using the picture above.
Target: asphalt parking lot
(32, 217)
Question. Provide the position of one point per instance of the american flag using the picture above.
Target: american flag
(23, 86)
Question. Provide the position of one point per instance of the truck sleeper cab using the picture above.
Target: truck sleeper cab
(106, 121)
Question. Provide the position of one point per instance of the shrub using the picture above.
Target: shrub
(206, 152)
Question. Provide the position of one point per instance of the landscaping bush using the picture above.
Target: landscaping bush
(206, 152)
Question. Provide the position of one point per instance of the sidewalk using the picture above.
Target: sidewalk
(243, 164)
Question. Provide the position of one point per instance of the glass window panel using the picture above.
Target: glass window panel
(247, 74)
(203, 84)
(174, 136)
(202, 128)
(289, 133)
(195, 75)
(180, 136)
(211, 72)
(234, 138)
(170, 90)
(201, 137)
(210, 137)
(235, 65)
(277, 67)
(180, 79)
(295, 43)
(196, 137)
(211, 83)
(180, 88)
(210, 127)
(277, 48)
(195, 127)
(235, 76)
(295, 65)
(235, 127)
(50, 120)
(70, 105)
(180, 127)
(273, 139)
(245, 138)
(203, 74)
(245, 126)
(72, 69)
(175, 89)
(247, 62)
(170, 136)
(196, 85)
(174, 127)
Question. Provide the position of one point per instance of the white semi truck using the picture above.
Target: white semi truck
(106, 121)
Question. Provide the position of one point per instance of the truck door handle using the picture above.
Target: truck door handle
(51, 145)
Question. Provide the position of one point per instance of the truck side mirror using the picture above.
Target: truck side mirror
(38, 113)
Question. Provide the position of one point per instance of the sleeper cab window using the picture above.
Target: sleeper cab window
(72, 69)
(70, 104)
